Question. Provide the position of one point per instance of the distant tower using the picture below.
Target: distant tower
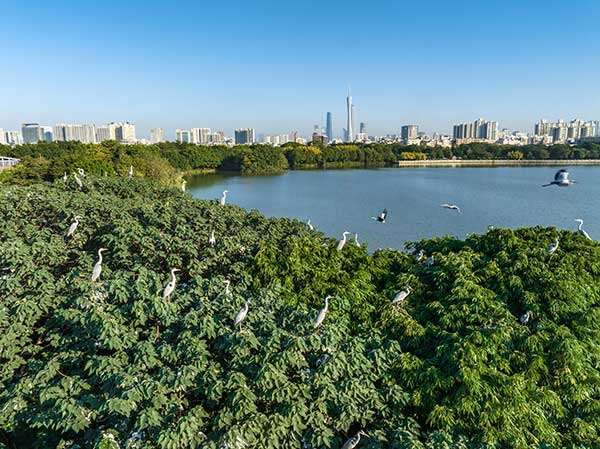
(350, 123)
(329, 127)
(363, 128)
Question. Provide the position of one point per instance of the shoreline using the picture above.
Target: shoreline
(496, 163)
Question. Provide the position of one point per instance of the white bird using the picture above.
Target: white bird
(452, 207)
(419, 256)
(183, 183)
(561, 179)
(311, 227)
(241, 315)
(130, 171)
(429, 262)
(224, 197)
(98, 267)
(322, 313)
(401, 296)
(81, 172)
(343, 241)
(552, 247)
(582, 231)
(212, 241)
(77, 180)
(73, 226)
(65, 177)
(171, 285)
(382, 216)
(524, 319)
(353, 441)
(356, 239)
(227, 283)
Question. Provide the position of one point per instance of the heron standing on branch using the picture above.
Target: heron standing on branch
(353, 441)
(73, 226)
(343, 241)
(581, 230)
(98, 267)
(171, 285)
(322, 313)
(224, 197)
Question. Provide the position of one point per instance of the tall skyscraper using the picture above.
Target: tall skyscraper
(156, 135)
(3, 140)
(244, 136)
(14, 138)
(81, 133)
(329, 127)
(362, 128)
(217, 138)
(32, 132)
(349, 134)
(409, 132)
(124, 132)
(479, 130)
(183, 136)
(103, 133)
(200, 136)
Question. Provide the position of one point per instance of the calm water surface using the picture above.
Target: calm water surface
(344, 200)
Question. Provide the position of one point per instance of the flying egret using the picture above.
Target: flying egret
(311, 227)
(524, 319)
(171, 285)
(561, 179)
(401, 296)
(419, 256)
(183, 183)
(343, 241)
(552, 247)
(212, 241)
(98, 267)
(322, 313)
(241, 315)
(227, 283)
(353, 441)
(77, 180)
(73, 226)
(582, 231)
(130, 171)
(452, 207)
(429, 262)
(382, 216)
(224, 197)
(356, 239)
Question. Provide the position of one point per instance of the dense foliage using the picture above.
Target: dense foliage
(112, 364)
(166, 161)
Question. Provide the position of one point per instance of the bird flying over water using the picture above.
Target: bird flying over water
(561, 179)
(552, 247)
(582, 231)
(73, 226)
(343, 241)
(382, 216)
(98, 267)
(452, 207)
(224, 197)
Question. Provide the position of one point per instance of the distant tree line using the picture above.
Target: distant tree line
(167, 161)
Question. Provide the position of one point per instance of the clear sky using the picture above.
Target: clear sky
(281, 65)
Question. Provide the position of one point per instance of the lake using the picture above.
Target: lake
(344, 200)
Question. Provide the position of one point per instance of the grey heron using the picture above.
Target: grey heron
(77, 180)
(429, 262)
(322, 313)
(73, 226)
(401, 296)
(310, 226)
(561, 179)
(551, 249)
(98, 267)
(212, 241)
(581, 230)
(224, 197)
(130, 171)
(342, 242)
(241, 315)
(524, 319)
(356, 239)
(381, 217)
(227, 283)
(171, 285)
(452, 207)
(352, 442)
(419, 256)
(183, 183)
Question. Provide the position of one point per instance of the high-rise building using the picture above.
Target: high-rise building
(14, 138)
(156, 135)
(200, 136)
(349, 131)
(329, 127)
(319, 139)
(124, 132)
(244, 136)
(479, 130)
(183, 136)
(362, 128)
(543, 128)
(3, 140)
(409, 132)
(217, 138)
(81, 133)
(561, 131)
(103, 133)
(32, 132)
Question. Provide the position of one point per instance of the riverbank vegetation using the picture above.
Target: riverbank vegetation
(166, 162)
(114, 364)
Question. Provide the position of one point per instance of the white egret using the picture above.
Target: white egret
(130, 171)
(343, 241)
(73, 226)
(524, 319)
(401, 296)
(352, 442)
(322, 313)
(183, 183)
(552, 247)
(98, 267)
(429, 262)
(382, 216)
(356, 239)
(81, 172)
(212, 241)
(224, 197)
(171, 285)
(419, 256)
(77, 180)
(227, 283)
(311, 227)
(582, 231)
(241, 315)
(561, 179)
(452, 207)
(65, 177)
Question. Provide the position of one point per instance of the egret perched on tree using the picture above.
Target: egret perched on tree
(241, 315)
(77, 180)
(452, 207)
(224, 197)
(582, 231)
(322, 313)
(183, 183)
(81, 172)
(343, 241)
(65, 177)
(429, 262)
(130, 171)
(419, 256)
(356, 239)
(98, 267)
(401, 296)
(171, 285)
(227, 283)
(73, 226)
(311, 227)
(552, 247)
(212, 241)
(353, 441)
(524, 319)
(561, 179)
(382, 216)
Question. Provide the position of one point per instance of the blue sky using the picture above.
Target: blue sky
(281, 65)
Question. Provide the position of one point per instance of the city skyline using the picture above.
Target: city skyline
(477, 60)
